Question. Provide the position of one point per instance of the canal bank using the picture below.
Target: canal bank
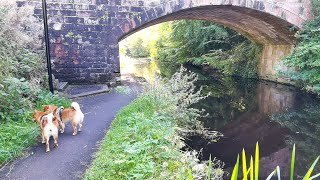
(247, 111)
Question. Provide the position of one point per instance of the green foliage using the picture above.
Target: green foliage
(144, 140)
(15, 98)
(315, 4)
(242, 60)
(137, 49)
(17, 131)
(204, 43)
(275, 172)
(16, 136)
(304, 61)
(22, 75)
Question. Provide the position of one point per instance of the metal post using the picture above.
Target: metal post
(46, 37)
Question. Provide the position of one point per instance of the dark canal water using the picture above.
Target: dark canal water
(249, 111)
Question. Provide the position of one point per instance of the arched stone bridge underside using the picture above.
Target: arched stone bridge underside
(85, 33)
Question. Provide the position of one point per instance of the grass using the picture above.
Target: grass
(137, 145)
(15, 137)
(20, 133)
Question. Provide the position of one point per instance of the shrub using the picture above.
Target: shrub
(304, 61)
(20, 39)
(21, 76)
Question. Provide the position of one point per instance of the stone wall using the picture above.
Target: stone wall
(84, 34)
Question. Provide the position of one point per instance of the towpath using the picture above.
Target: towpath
(74, 154)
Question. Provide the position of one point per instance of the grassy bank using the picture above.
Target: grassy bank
(18, 132)
(145, 139)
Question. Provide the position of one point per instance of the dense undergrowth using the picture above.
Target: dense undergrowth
(22, 79)
(146, 137)
(200, 43)
(304, 61)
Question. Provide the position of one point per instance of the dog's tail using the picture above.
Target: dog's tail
(76, 106)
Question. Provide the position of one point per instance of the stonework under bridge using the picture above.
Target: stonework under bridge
(84, 34)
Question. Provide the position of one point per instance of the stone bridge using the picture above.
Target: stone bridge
(84, 34)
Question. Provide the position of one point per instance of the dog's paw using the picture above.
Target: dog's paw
(56, 145)
(74, 134)
(48, 150)
(43, 142)
(80, 130)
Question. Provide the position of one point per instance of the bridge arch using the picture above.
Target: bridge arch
(270, 23)
(84, 34)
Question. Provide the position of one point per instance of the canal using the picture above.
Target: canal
(247, 111)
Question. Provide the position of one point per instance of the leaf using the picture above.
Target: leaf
(209, 168)
(270, 175)
(235, 170)
(190, 177)
(244, 165)
(292, 161)
(315, 176)
(251, 168)
(256, 163)
(307, 176)
(278, 173)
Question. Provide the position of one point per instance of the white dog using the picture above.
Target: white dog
(50, 126)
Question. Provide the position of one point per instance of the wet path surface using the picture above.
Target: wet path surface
(74, 153)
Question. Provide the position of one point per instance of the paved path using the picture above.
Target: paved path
(74, 153)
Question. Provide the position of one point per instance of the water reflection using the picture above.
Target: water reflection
(247, 111)
(275, 115)
(143, 68)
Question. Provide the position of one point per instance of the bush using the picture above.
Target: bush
(145, 139)
(21, 75)
(203, 43)
(304, 61)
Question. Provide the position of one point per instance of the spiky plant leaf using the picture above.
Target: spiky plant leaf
(292, 161)
(235, 170)
(314, 177)
(256, 163)
(209, 168)
(244, 165)
(278, 173)
(307, 176)
(251, 168)
(270, 175)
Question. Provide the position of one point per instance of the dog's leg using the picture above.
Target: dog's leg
(74, 126)
(63, 125)
(47, 144)
(43, 139)
(80, 124)
(55, 138)
(42, 136)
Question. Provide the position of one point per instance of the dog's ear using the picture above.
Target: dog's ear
(45, 107)
(44, 121)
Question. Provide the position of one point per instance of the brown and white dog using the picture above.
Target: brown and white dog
(50, 127)
(49, 108)
(36, 117)
(73, 114)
